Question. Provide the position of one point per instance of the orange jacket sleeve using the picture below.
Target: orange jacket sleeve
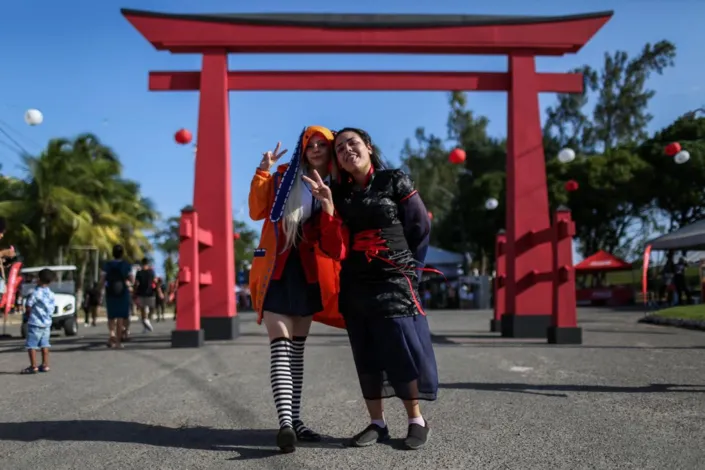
(334, 237)
(261, 195)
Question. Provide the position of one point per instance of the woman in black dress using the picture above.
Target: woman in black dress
(383, 230)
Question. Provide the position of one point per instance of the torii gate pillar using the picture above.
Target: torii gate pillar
(212, 198)
(528, 294)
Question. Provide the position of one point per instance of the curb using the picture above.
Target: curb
(677, 322)
(18, 321)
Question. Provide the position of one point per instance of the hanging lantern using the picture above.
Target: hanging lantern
(430, 215)
(236, 236)
(491, 204)
(571, 186)
(566, 155)
(457, 156)
(33, 117)
(183, 136)
(672, 149)
(682, 157)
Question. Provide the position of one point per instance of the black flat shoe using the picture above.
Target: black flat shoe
(286, 440)
(417, 436)
(372, 434)
(305, 434)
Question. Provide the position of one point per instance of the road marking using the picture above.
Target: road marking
(520, 369)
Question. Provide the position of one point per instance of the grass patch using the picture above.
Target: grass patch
(634, 277)
(683, 312)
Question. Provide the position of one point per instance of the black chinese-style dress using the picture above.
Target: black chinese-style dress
(384, 233)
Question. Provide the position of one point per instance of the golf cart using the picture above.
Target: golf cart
(64, 288)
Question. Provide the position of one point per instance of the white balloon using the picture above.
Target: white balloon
(682, 157)
(566, 155)
(33, 117)
(491, 204)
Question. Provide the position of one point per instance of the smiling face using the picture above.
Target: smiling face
(317, 151)
(352, 152)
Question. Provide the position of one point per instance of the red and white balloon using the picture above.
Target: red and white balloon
(675, 151)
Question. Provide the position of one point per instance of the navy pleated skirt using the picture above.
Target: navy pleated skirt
(291, 295)
(394, 357)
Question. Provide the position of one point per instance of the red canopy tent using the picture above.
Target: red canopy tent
(592, 287)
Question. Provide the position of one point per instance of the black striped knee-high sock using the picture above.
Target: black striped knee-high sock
(297, 376)
(280, 376)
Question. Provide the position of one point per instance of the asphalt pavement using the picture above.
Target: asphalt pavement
(631, 397)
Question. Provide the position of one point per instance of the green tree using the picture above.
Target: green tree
(620, 115)
(435, 178)
(245, 244)
(678, 191)
(74, 194)
(167, 241)
(605, 207)
(456, 194)
(612, 208)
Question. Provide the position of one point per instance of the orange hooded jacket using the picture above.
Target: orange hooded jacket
(263, 190)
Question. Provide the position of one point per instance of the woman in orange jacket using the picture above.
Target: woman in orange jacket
(292, 281)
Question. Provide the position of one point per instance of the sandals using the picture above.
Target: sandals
(35, 370)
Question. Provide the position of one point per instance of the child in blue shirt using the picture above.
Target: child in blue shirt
(39, 310)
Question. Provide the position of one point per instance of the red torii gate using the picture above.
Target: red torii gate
(528, 294)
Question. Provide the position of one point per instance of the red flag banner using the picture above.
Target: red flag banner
(644, 274)
(13, 279)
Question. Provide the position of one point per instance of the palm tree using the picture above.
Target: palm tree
(74, 194)
(167, 241)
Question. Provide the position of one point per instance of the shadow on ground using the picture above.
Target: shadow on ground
(545, 390)
(248, 443)
(496, 341)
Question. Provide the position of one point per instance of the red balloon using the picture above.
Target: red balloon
(457, 156)
(430, 215)
(236, 236)
(571, 186)
(672, 149)
(183, 136)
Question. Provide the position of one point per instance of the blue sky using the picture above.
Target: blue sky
(85, 67)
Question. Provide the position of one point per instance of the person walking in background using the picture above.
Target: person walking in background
(159, 298)
(91, 303)
(117, 277)
(40, 308)
(145, 293)
(679, 282)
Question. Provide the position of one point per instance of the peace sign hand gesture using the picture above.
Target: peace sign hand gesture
(321, 192)
(269, 157)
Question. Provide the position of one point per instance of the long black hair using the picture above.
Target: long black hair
(345, 178)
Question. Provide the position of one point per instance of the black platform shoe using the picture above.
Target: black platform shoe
(305, 434)
(286, 440)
